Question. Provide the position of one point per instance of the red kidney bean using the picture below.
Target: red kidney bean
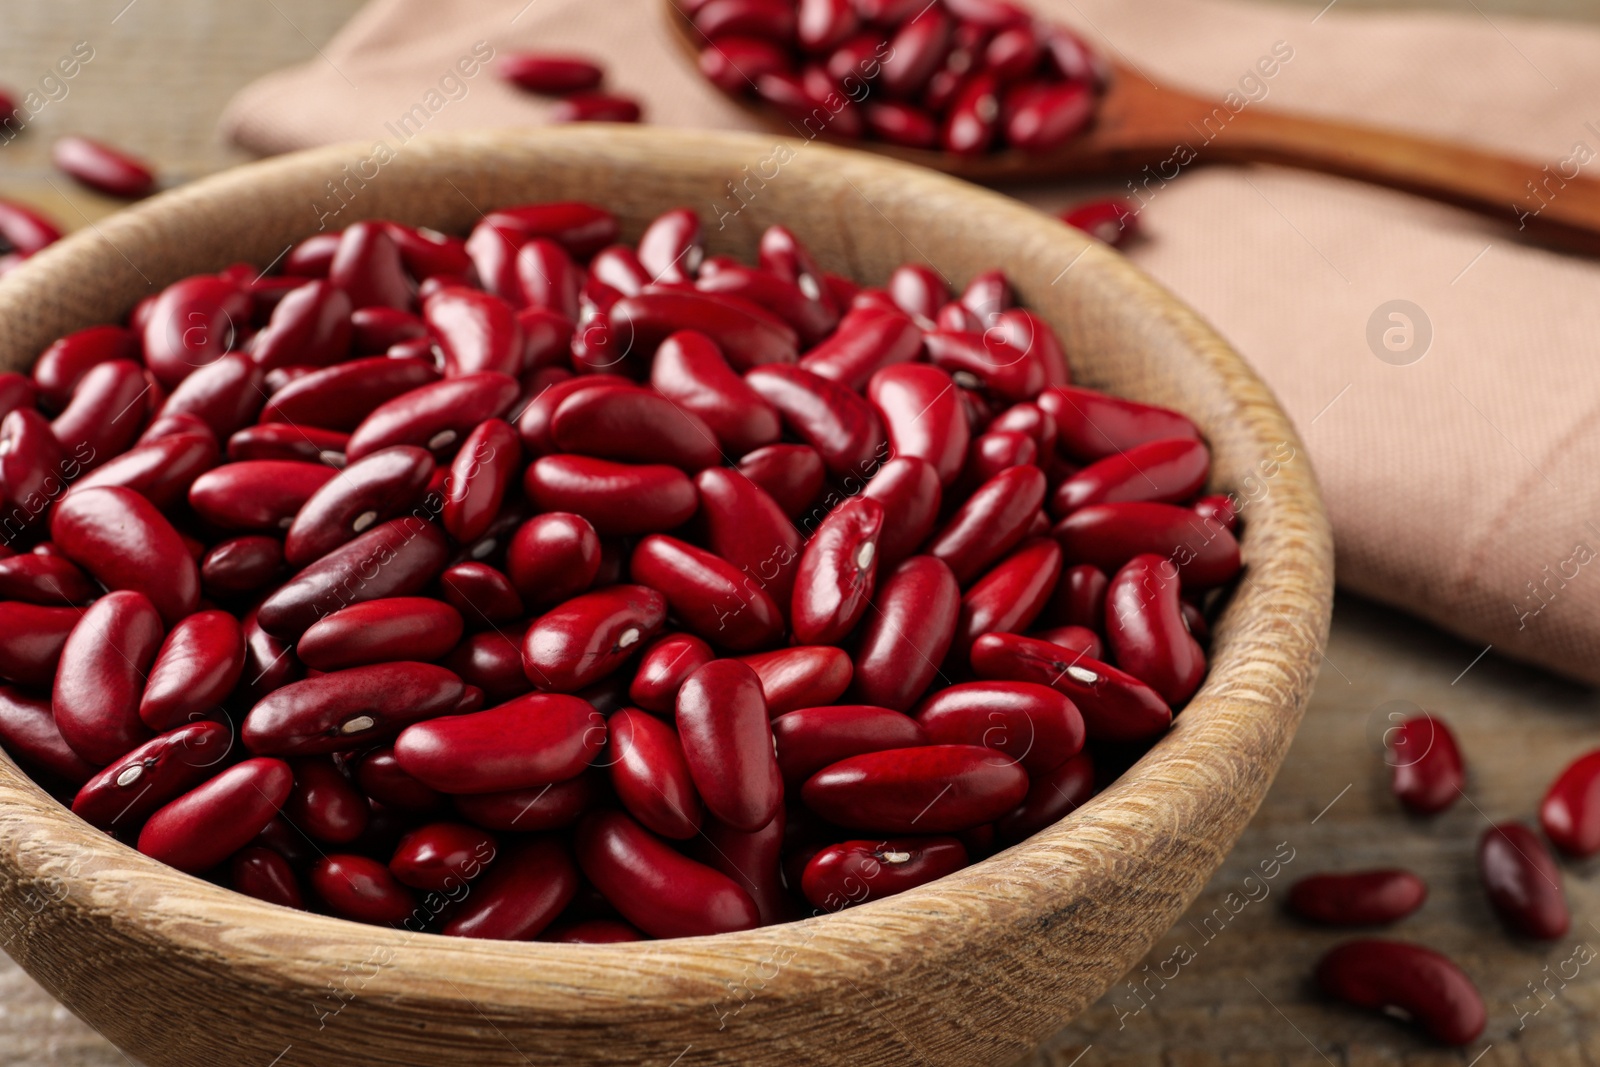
(1357, 898)
(324, 804)
(973, 117)
(1040, 116)
(657, 889)
(396, 558)
(260, 494)
(526, 889)
(551, 73)
(727, 743)
(103, 168)
(707, 594)
(442, 856)
(1147, 631)
(753, 861)
(361, 888)
(782, 253)
(901, 124)
(534, 809)
(956, 316)
(651, 776)
(791, 474)
(125, 543)
(582, 229)
(533, 425)
(482, 595)
(747, 335)
(1109, 535)
(1011, 595)
(801, 676)
(347, 504)
(1093, 425)
(29, 734)
(866, 341)
(854, 872)
(209, 823)
(1080, 597)
(225, 395)
(105, 413)
(196, 669)
(553, 557)
(1075, 639)
(618, 268)
(1428, 772)
(311, 326)
(342, 396)
(810, 318)
(749, 18)
(918, 290)
(616, 498)
(345, 710)
(367, 266)
(932, 789)
(908, 490)
(596, 107)
(917, 49)
(908, 634)
(586, 638)
(241, 566)
(269, 664)
(992, 521)
(1157, 471)
(547, 278)
(531, 740)
(836, 576)
(994, 452)
(1403, 979)
(379, 631)
(482, 472)
(746, 527)
(732, 63)
(34, 468)
(192, 322)
(633, 425)
(671, 248)
(843, 428)
(809, 739)
(821, 25)
(1570, 812)
(311, 257)
(689, 370)
(920, 407)
(1219, 508)
(663, 668)
(261, 873)
(24, 229)
(1013, 53)
(1115, 705)
(62, 366)
(1523, 882)
(171, 425)
(1111, 220)
(428, 253)
(375, 330)
(477, 331)
(45, 579)
(988, 361)
(1051, 797)
(435, 416)
(1032, 724)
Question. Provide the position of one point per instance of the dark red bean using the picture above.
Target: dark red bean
(671, 248)
(30, 735)
(379, 775)
(1158, 471)
(428, 253)
(920, 406)
(1115, 705)
(1222, 509)
(632, 425)
(932, 789)
(1111, 220)
(551, 73)
(747, 528)
(375, 330)
(241, 566)
(1080, 597)
(854, 872)
(1109, 535)
(532, 740)
(106, 412)
(1428, 772)
(836, 577)
(791, 474)
(324, 804)
(192, 322)
(908, 490)
(1075, 639)
(707, 594)
(901, 124)
(209, 823)
(45, 579)
(727, 743)
(767, 19)
(843, 428)
(659, 890)
(586, 638)
(378, 631)
(1051, 798)
(197, 668)
(908, 633)
(311, 257)
(1570, 812)
(992, 521)
(62, 366)
(651, 776)
(348, 709)
(172, 425)
(1523, 882)
(1357, 898)
(1093, 425)
(746, 334)
(596, 107)
(311, 326)
(663, 668)
(753, 861)
(1011, 595)
(1147, 631)
(161, 471)
(441, 857)
(809, 739)
(261, 873)
(340, 397)
(801, 676)
(368, 267)
(582, 229)
(616, 498)
(537, 808)
(811, 319)
(548, 279)
(917, 49)
(34, 468)
(269, 663)
(24, 229)
(733, 63)
(1407, 980)
(258, 494)
(480, 476)
(526, 889)
(349, 503)
(1040, 116)
(282, 440)
(1031, 724)
(361, 888)
(689, 370)
(553, 557)
(103, 168)
(866, 341)
(102, 673)
(477, 331)
(481, 594)
(435, 416)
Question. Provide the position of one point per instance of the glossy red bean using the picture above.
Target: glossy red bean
(172, 425)
(62, 366)
(1523, 882)
(34, 468)
(395, 558)
(746, 527)
(753, 861)
(269, 663)
(801, 676)
(791, 474)
(24, 229)
(747, 335)
(689, 370)
(616, 498)
(810, 318)
(837, 575)
(1158, 471)
(435, 416)
(651, 776)
(528, 886)
(908, 490)
(310, 258)
(1357, 898)
(209, 823)
(161, 471)
(582, 229)
(907, 634)
(537, 808)
(531, 740)
(348, 709)
(103, 168)
(375, 330)
(901, 124)
(192, 322)
(751, 18)
(261, 873)
(106, 412)
(361, 888)
(348, 503)
(1109, 535)
(240, 566)
(1115, 705)
(368, 267)
(1147, 632)
(477, 331)
(1111, 220)
(1010, 596)
(733, 63)
(919, 291)
(932, 789)
(633, 425)
(549, 72)
(1570, 812)
(548, 279)
(1040, 116)
(1051, 797)
(1428, 771)
(1075, 639)
(844, 429)
(428, 253)
(30, 735)
(809, 739)
(340, 397)
(379, 631)
(916, 51)
(480, 476)
(125, 543)
(1080, 597)
(671, 248)
(50, 580)
(866, 341)
(708, 595)
(854, 872)
(553, 557)
(657, 889)
(482, 595)
(442, 857)
(990, 523)
(1032, 724)
(258, 494)
(310, 326)
(723, 725)
(1407, 980)
(324, 804)
(198, 666)
(596, 107)
(586, 638)
(379, 775)
(1093, 425)
(921, 409)
(663, 668)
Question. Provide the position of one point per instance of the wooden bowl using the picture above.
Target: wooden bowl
(976, 968)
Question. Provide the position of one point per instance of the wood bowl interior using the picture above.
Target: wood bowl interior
(975, 968)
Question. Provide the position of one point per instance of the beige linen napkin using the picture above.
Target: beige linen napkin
(1444, 377)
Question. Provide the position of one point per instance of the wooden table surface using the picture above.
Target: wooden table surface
(1229, 985)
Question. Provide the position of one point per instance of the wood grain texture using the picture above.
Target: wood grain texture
(976, 969)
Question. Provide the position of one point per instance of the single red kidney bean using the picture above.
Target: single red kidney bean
(633, 425)
(753, 861)
(994, 452)
(1029, 419)
(1109, 535)
(688, 369)
(209, 823)
(909, 491)
(341, 396)
(1115, 705)
(533, 424)
(988, 361)
(801, 676)
(396, 558)
(586, 638)
(310, 326)
(1074, 60)
(727, 744)
(651, 776)
(375, 330)
(324, 804)
(311, 257)
(34, 468)
(1428, 771)
(836, 576)
(656, 888)
(596, 107)
(1013, 53)
(792, 475)
(282, 440)
(551, 73)
(901, 124)
(367, 266)
(810, 318)
(379, 775)
(1523, 882)
(482, 595)
(379, 631)
(125, 543)
(442, 856)
(105, 413)
(29, 733)
(866, 341)
(732, 63)
(707, 594)
(1022, 331)
(553, 557)
(546, 339)
(616, 498)
(767, 19)
(1080, 597)
(486, 467)
(809, 739)
(917, 49)
(361, 888)
(974, 116)
(197, 668)
(435, 416)
(345, 505)
(529, 885)
(908, 634)
(1093, 425)
(348, 709)
(161, 471)
(922, 412)
(547, 278)
(1111, 220)
(1011, 595)
(258, 494)
(821, 25)
(992, 521)
(932, 789)
(1032, 724)
(747, 335)
(955, 315)
(171, 425)
(241, 566)
(782, 253)
(1147, 632)
(619, 269)
(269, 664)
(62, 366)
(428, 253)
(477, 331)
(492, 661)
(1051, 797)
(24, 229)
(918, 290)
(857, 57)
(747, 528)
(1570, 812)
(842, 426)
(1075, 639)
(582, 229)
(1158, 471)
(671, 248)
(261, 873)
(1357, 898)
(663, 668)
(854, 872)
(1220, 508)
(1041, 115)
(103, 168)
(535, 809)
(45, 579)
(532, 740)
(1403, 979)
(192, 322)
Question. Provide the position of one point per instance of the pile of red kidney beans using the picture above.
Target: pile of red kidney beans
(537, 585)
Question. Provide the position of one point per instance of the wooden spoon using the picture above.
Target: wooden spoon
(1152, 133)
